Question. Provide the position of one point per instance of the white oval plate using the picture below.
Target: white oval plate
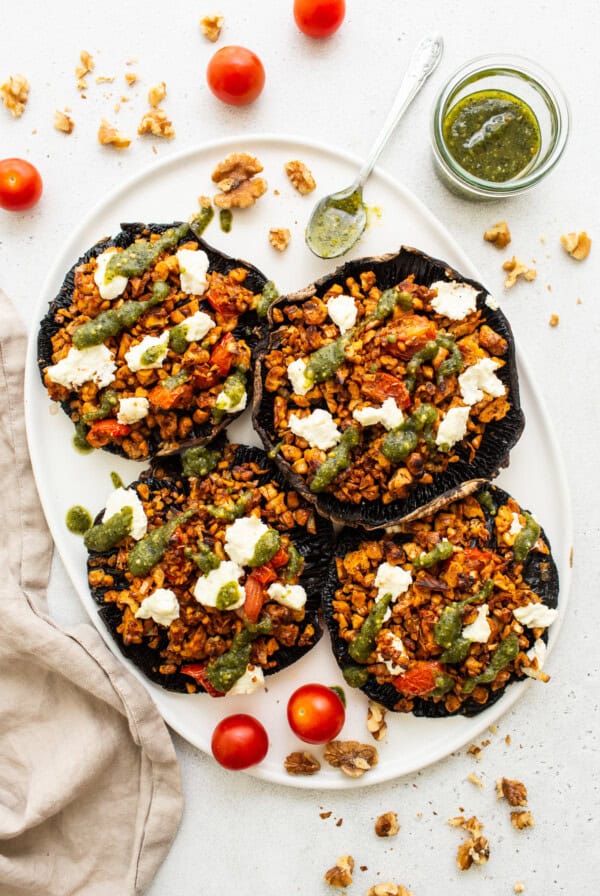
(167, 192)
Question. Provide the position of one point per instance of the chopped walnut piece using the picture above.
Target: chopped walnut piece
(341, 873)
(279, 237)
(554, 320)
(302, 763)
(300, 176)
(110, 136)
(211, 26)
(102, 79)
(475, 780)
(376, 724)
(578, 245)
(131, 78)
(63, 122)
(235, 177)
(521, 820)
(204, 201)
(87, 66)
(388, 889)
(14, 93)
(499, 235)
(352, 757)
(475, 750)
(387, 825)
(156, 122)
(475, 849)
(514, 792)
(516, 269)
(519, 887)
(157, 94)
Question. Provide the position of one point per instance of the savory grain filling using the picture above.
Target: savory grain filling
(182, 393)
(383, 359)
(406, 651)
(202, 633)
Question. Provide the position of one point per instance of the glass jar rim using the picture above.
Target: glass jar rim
(528, 71)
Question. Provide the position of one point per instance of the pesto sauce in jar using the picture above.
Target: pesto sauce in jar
(492, 134)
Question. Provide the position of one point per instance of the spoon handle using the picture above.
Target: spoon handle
(423, 61)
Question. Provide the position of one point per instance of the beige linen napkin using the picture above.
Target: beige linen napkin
(90, 794)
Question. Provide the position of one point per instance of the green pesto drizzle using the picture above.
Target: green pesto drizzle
(448, 627)
(109, 532)
(294, 566)
(226, 219)
(178, 338)
(388, 301)
(109, 402)
(323, 363)
(201, 220)
(364, 641)
(80, 443)
(227, 595)
(355, 676)
(526, 539)
(233, 511)
(234, 388)
(199, 461)
(78, 519)
(487, 502)
(443, 550)
(116, 480)
(223, 672)
(400, 442)
(337, 461)
(151, 549)
(137, 258)
(204, 558)
(265, 549)
(506, 651)
(266, 298)
(109, 323)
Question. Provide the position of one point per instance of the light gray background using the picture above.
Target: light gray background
(240, 835)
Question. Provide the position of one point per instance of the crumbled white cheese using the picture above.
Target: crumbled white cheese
(389, 415)
(479, 630)
(535, 615)
(452, 428)
(109, 289)
(293, 596)
(162, 606)
(392, 645)
(480, 378)
(454, 300)
(516, 525)
(127, 497)
(193, 265)
(223, 402)
(537, 652)
(392, 580)
(81, 366)
(242, 537)
(492, 303)
(197, 326)
(133, 358)
(297, 376)
(207, 587)
(318, 429)
(342, 310)
(132, 409)
(252, 680)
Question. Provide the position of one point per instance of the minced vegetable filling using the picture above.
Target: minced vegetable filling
(452, 635)
(415, 387)
(171, 350)
(225, 609)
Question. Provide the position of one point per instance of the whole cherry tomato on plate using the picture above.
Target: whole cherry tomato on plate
(239, 741)
(316, 713)
(319, 18)
(235, 75)
(20, 185)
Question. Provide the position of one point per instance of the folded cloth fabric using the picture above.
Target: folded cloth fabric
(90, 792)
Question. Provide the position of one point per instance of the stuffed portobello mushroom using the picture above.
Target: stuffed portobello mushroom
(438, 616)
(386, 385)
(148, 345)
(208, 570)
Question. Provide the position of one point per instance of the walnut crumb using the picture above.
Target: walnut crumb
(388, 889)
(302, 763)
(475, 850)
(554, 320)
(376, 724)
(63, 122)
(352, 757)
(578, 245)
(235, 178)
(325, 814)
(279, 237)
(211, 26)
(102, 79)
(157, 94)
(499, 235)
(519, 887)
(300, 176)
(508, 740)
(515, 269)
(341, 873)
(15, 93)
(514, 792)
(87, 66)
(204, 201)
(475, 750)
(131, 78)
(521, 820)
(387, 825)
(475, 780)
(110, 136)
(156, 122)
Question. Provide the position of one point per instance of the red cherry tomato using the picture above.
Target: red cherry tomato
(319, 18)
(315, 713)
(235, 75)
(20, 185)
(239, 741)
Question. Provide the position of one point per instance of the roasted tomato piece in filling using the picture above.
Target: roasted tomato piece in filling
(419, 679)
(379, 386)
(410, 334)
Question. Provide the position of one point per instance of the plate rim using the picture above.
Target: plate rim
(517, 690)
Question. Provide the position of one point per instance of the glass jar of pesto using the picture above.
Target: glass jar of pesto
(499, 126)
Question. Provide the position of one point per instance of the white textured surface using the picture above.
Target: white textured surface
(239, 834)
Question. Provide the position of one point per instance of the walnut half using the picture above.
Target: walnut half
(499, 235)
(211, 27)
(235, 177)
(352, 757)
(301, 762)
(514, 792)
(341, 873)
(387, 825)
(578, 245)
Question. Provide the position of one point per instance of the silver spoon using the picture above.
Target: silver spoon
(338, 220)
